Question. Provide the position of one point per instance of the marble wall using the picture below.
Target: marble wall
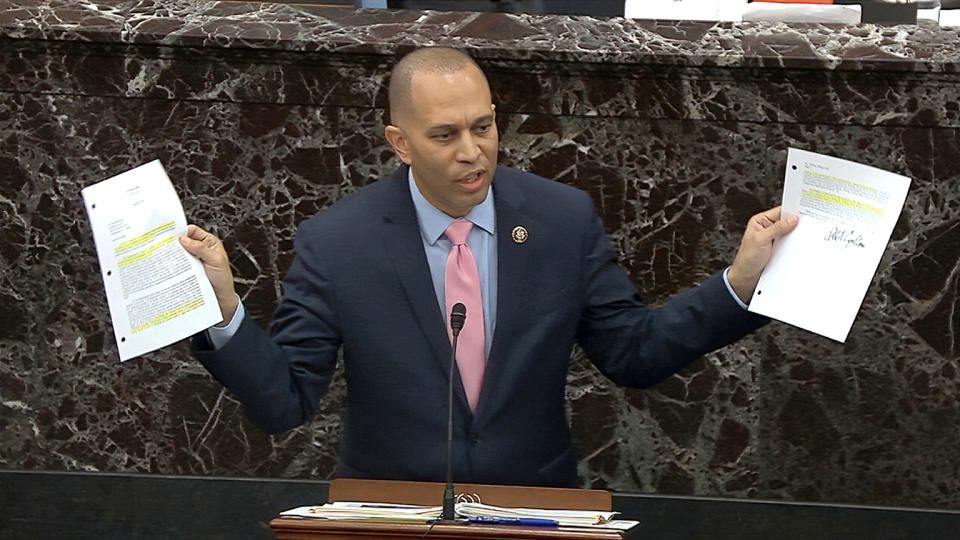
(265, 114)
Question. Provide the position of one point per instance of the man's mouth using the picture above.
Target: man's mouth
(473, 177)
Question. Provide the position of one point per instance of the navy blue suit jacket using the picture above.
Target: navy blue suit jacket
(360, 281)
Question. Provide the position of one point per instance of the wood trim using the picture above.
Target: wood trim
(314, 529)
(431, 494)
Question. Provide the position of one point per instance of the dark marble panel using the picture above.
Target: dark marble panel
(656, 184)
(876, 414)
(63, 20)
(758, 417)
(127, 506)
(709, 93)
(67, 404)
(621, 91)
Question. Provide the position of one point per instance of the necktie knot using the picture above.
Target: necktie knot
(457, 231)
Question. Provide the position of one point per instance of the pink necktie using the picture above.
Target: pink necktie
(462, 284)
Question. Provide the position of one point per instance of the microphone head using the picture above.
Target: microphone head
(457, 317)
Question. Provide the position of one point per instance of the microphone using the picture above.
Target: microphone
(458, 315)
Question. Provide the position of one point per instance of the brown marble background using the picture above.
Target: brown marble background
(263, 115)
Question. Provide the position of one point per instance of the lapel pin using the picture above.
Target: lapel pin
(519, 234)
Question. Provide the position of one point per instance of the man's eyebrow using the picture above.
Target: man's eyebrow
(454, 127)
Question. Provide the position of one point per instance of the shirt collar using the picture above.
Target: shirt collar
(433, 222)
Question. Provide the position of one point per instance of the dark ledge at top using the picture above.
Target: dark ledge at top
(490, 36)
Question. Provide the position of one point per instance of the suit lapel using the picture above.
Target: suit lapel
(512, 270)
(403, 244)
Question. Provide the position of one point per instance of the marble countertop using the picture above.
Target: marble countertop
(491, 36)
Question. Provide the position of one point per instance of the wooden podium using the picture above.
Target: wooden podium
(427, 493)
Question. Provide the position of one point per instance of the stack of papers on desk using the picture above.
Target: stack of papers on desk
(421, 514)
(367, 511)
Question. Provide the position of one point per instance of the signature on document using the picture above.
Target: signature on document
(847, 237)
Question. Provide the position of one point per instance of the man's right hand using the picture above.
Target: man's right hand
(209, 249)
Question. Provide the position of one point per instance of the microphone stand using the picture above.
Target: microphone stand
(457, 317)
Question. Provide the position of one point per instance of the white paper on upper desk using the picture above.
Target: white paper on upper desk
(818, 274)
(685, 10)
(158, 293)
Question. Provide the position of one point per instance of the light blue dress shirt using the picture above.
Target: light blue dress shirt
(482, 241)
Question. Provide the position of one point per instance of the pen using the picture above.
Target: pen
(520, 521)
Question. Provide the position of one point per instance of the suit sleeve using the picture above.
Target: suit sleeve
(279, 378)
(638, 346)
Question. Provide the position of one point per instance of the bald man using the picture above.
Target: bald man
(369, 277)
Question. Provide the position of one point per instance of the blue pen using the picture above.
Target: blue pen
(519, 521)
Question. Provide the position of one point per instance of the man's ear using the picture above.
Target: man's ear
(398, 140)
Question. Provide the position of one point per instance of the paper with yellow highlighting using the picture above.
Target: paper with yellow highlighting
(819, 273)
(158, 293)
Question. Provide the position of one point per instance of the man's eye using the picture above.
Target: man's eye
(442, 137)
(482, 129)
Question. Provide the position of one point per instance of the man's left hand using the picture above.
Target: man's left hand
(756, 246)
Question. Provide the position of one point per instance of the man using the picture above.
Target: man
(377, 273)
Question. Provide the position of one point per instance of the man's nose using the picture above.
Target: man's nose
(467, 148)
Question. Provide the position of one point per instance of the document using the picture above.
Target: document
(819, 273)
(158, 293)
(591, 519)
(367, 512)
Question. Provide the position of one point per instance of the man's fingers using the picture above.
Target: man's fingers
(766, 218)
(780, 227)
(192, 245)
(200, 243)
(786, 225)
(196, 233)
(770, 226)
(200, 235)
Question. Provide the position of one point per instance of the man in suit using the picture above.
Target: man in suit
(370, 276)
